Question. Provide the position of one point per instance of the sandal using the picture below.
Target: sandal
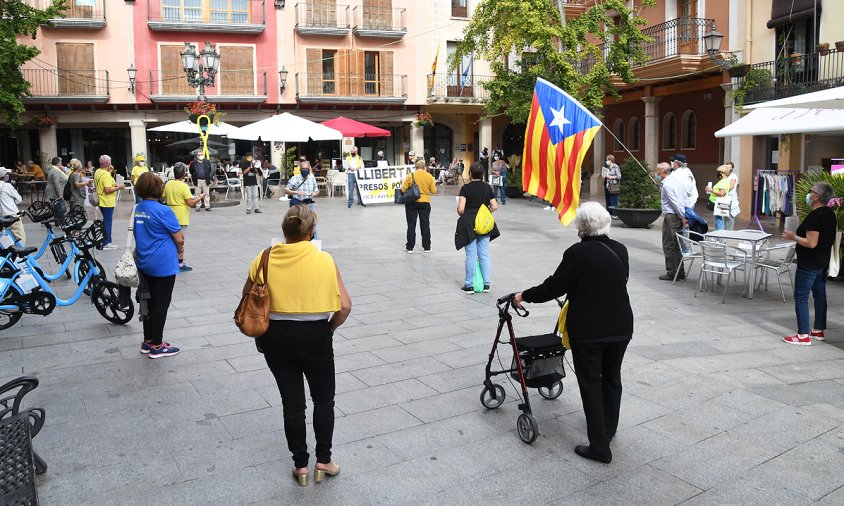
(320, 470)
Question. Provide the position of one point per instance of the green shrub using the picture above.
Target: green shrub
(638, 189)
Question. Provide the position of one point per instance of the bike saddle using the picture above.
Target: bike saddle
(21, 251)
(5, 221)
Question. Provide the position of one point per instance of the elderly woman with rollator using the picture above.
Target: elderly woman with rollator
(593, 275)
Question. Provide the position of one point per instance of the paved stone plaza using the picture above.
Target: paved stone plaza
(716, 408)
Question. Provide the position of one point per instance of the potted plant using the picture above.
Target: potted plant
(736, 68)
(45, 120)
(839, 45)
(638, 200)
(423, 119)
(755, 79)
(796, 58)
(823, 48)
(196, 109)
(513, 190)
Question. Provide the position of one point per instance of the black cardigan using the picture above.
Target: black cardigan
(596, 284)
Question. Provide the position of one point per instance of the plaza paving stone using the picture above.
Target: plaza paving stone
(716, 409)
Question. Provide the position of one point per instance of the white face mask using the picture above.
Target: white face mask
(809, 199)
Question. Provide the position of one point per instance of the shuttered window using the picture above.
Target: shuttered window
(385, 65)
(349, 72)
(173, 80)
(75, 68)
(377, 14)
(321, 13)
(236, 71)
(313, 77)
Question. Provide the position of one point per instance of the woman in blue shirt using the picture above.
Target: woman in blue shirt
(158, 243)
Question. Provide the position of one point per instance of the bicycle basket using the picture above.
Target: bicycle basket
(39, 211)
(75, 219)
(91, 236)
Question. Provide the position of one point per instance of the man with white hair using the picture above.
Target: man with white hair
(674, 202)
(107, 190)
(682, 170)
(9, 200)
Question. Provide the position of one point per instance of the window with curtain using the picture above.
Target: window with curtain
(459, 8)
(329, 86)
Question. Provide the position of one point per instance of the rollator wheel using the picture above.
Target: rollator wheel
(493, 397)
(528, 430)
(552, 392)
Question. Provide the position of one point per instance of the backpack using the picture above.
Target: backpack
(68, 189)
(484, 222)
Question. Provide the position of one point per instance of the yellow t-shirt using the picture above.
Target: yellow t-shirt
(38, 172)
(426, 183)
(103, 180)
(311, 271)
(137, 170)
(175, 193)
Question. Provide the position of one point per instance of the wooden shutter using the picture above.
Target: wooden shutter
(342, 72)
(236, 71)
(387, 79)
(75, 69)
(321, 13)
(356, 73)
(314, 72)
(173, 81)
(377, 13)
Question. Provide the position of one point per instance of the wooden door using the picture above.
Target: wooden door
(342, 72)
(75, 69)
(322, 13)
(236, 71)
(173, 80)
(687, 30)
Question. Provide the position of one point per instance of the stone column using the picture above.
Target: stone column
(138, 133)
(485, 137)
(652, 130)
(49, 144)
(596, 184)
(730, 143)
(417, 140)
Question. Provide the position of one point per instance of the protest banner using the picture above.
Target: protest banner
(379, 184)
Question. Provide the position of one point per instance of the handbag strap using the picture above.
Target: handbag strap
(613, 254)
(130, 239)
(264, 266)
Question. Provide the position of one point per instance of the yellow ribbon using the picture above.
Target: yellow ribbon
(203, 133)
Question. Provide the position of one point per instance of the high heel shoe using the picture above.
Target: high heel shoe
(301, 477)
(331, 469)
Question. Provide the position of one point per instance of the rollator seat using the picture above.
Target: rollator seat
(541, 343)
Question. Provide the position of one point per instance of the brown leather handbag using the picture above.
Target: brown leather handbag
(252, 315)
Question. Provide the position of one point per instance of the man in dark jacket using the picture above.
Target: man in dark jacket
(202, 174)
(593, 274)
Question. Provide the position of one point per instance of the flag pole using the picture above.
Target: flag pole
(629, 153)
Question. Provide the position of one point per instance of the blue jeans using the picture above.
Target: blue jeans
(499, 189)
(611, 200)
(313, 208)
(477, 250)
(108, 214)
(724, 222)
(806, 280)
(351, 188)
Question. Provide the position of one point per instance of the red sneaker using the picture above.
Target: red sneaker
(817, 334)
(796, 339)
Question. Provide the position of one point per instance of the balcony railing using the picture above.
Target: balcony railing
(361, 88)
(454, 88)
(77, 14)
(383, 22)
(322, 18)
(67, 85)
(239, 86)
(792, 76)
(234, 16)
(672, 39)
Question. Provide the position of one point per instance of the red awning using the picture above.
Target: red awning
(351, 128)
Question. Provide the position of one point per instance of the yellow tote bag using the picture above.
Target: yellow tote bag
(561, 325)
(484, 221)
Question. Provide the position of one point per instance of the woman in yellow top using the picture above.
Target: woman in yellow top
(299, 339)
(107, 192)
(420, 208)
(725, 186)
(178, 197)
(137, 170)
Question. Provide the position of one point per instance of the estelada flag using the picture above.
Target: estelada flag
(558, 134)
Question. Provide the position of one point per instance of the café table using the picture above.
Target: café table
(754, 238)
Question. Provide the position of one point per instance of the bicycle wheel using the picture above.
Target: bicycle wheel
(60, 255)
(107, 301)
(81, 270)
(9, 318)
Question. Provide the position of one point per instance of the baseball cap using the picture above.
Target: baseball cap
(3, 171)
(679, 157)
(140, 158)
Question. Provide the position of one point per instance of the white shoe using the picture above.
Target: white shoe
(109, 247)
(547, 208)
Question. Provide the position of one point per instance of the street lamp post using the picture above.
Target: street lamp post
(200, 68)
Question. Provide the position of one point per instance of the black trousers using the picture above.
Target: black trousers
(292, 349)
(423, 211)
(160, 294)
(598, 369)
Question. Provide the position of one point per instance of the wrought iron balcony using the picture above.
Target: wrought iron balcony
(674, 39)
(351, 88)
(382, 22)
(229, 86)
(66, 85)
(789, 77)
(89, 14)
(453, 88)
(234, 16)
(322, 18)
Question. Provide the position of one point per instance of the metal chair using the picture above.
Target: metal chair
(691, 252)
(11, 396)
(234, 183)
(779, 265)
(717, 262)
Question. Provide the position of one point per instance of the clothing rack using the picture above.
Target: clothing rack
(756, 185)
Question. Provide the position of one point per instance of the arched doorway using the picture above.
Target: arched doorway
(513, 140)
(438, 143)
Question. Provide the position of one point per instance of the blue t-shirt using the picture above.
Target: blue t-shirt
(155, 251)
